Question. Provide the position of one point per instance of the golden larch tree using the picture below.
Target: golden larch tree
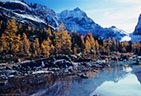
(25, 43)
(62, 41)
(10, 39)
(48, 32)
(87, 46)
(93, 44)
(114, 45)
(45, 47)
(36, 48)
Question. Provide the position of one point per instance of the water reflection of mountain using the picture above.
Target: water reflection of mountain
(86, 86)
(137, 71)
(63, 85)
(138, 76)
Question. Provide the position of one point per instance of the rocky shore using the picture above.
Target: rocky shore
(59, 65)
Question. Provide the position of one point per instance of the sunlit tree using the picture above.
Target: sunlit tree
(93, 44)
(45, 48)
(87, 45)
(25, 43)
(10, 39)
(62, 41)
(36, 48)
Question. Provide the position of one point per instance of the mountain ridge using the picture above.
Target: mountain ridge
(77, 20)
(39, 16)
(137, 30)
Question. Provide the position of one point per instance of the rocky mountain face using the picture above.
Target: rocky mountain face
(39, 16)
(138, 27)
(28, 13)
(77, 21)
(136, 35)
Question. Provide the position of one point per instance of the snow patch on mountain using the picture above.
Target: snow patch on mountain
(34, 18)
(126, 38)
(74, 14)
(77, 21)
(118, 30)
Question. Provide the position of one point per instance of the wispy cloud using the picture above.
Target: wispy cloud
(126, 1)
(124, 18)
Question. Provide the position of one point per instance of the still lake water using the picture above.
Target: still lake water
(116, 81)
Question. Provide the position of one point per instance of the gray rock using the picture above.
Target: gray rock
(83, 75)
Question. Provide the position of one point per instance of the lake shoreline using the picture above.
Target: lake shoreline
(61, 65)
(32, 81)
(37, 77)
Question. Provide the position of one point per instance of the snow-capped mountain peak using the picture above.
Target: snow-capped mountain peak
(75, 13)
(77, 20)
(115, 29)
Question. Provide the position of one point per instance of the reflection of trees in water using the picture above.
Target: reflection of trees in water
(91, 74)
(32, 85)
(52, 85)
(116, 68)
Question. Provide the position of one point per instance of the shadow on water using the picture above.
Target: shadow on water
(103, 82)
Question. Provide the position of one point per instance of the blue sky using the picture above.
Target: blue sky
(121, 13)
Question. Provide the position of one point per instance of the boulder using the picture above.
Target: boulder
(62, 63)
(83, 75)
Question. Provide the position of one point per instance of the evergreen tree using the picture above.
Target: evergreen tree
(77, 44)
(137, 48)
(75, 49)
(129, 47)
(1, 47)
(97, 47)
(45, 33)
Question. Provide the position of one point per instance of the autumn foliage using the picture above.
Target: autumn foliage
(20, 40)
